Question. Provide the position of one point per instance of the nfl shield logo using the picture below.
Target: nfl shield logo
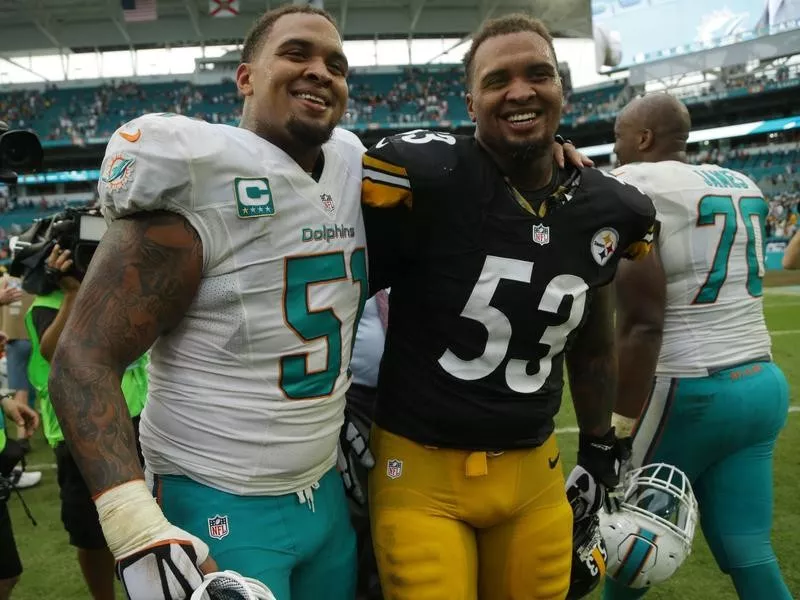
(218, 527)
(327, 203)
(394, 468)
(541, 234)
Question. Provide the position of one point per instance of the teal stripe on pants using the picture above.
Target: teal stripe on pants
(721, 430)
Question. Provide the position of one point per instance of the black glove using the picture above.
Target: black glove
(602, 457)
(599, 463)
(615, 495)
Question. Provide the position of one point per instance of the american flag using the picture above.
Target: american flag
(134, 11)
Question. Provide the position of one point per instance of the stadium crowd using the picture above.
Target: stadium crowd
(412, 95)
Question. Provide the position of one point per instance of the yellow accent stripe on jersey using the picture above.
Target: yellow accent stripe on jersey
(381, 165)
(641, 248)
(384, 195)
(638, 250)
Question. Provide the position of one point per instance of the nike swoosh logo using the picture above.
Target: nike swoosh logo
(554, 461)
(131, 137)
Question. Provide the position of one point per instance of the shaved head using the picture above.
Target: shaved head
(652, 128)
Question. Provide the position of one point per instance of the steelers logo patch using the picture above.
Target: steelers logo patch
(604, 244)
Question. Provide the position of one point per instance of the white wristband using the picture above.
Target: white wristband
(132, 521)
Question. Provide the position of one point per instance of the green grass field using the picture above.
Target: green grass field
(51, 569)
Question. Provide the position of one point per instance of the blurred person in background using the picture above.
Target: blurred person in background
(15, 303)
(11, 454)
(791, 256)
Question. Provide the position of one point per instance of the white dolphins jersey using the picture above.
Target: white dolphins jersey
(246, 395)
(711, 244)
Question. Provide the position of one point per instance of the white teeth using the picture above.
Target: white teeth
(522, 117)
(312, 98)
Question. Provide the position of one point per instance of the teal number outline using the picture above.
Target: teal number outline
(295, 381)
(708, 207)
(755, 269)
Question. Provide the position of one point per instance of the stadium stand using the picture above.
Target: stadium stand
(410, 97)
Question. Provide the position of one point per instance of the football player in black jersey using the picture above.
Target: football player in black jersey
(498, 263)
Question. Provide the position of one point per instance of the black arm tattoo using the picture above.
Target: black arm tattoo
(592, 366)
(142, 278)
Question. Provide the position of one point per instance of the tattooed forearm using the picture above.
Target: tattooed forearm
(141, 281)
(592, 366)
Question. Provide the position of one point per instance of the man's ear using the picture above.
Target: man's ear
(243, 80)
(470, 108)
(646, 139)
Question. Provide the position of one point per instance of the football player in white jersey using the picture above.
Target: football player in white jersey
(692, 314)
(239, 255)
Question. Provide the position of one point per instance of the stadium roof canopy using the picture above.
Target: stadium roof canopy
(51, 26)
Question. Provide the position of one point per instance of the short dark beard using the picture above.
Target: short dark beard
(308, 135)
(522, 154)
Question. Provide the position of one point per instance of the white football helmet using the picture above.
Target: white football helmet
(651, 535)
(229, 585)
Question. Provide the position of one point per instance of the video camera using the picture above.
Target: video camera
(78, 230)
(19, 151)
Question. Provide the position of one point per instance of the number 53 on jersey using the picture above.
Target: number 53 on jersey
(500, 329)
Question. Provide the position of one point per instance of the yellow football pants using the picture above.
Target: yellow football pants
(460, 525)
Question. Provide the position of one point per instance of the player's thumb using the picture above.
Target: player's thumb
(209, 565)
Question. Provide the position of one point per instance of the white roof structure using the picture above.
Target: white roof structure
(64, 26)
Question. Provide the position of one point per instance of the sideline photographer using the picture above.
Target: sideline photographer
(71, 238)
(11, 454)
(19, 151)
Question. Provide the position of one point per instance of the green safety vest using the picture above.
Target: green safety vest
(134, 381)
(2, 430)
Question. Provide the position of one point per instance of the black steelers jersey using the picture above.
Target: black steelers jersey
(484, 294)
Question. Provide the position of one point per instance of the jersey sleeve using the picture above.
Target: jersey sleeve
(643, 215)
(387, 203)
(146, 167)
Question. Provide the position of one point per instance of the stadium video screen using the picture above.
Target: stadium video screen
(633, 32)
